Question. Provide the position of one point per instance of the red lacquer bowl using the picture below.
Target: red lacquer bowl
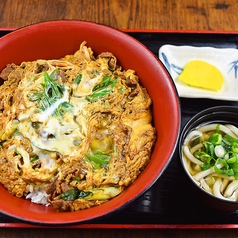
(55, 39)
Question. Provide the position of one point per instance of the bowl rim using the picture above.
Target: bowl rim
(117, 204)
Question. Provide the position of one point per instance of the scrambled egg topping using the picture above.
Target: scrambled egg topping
(78, 128)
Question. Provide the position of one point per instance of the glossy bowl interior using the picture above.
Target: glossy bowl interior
(55, 39)
(218, 114)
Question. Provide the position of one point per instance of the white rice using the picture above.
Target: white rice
(37, 195)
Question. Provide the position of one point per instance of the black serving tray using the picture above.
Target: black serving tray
(172, 201)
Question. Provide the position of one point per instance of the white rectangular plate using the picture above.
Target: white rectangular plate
(226, 60)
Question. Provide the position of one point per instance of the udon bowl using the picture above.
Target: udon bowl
(219, 115)
(55, 39)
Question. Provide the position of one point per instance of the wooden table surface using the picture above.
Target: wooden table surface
(211, 15)
(126, 14)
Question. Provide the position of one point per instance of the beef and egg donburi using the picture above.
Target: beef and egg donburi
(75, 131)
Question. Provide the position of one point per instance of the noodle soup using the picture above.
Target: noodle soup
(210, 156)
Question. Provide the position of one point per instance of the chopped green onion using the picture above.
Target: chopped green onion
(232, 160)
(226, 144)
(205, 166)
(224, 163)
(203, 156)
(99, 159)
(209, 148)
(73, 194)
(78, 79)
(195, 141)
(218, 127)
(17, 152)
(101, 89)
(49, 94)
(234, 147)
(215, 139)
(106, 81)
(96, 72)
(34, 158)
(230, 138)
(225, 167)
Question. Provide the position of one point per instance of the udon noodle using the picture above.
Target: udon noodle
(210, 155)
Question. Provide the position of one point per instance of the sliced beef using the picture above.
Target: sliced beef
(6, 71)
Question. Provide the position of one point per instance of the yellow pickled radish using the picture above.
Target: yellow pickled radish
(198, 73)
